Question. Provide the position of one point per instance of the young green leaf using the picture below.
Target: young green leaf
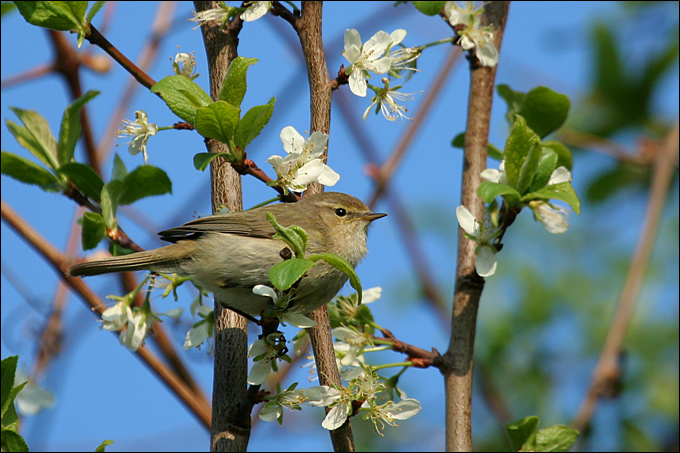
(517, 146)
(119, 171)
(35, 136)
(252, 123)
(202, 160)
(343, 265)
(429, 8)
(544, 110)
(62, 16)
(488, 191)
(546, 165)
(183, 96)
(70, 128)
(528, 170)
(144, 181)
(562, 191)
(218, 121)
(563, 154)
(28, 172)
(556, 438)
(294, 236)
(513, 99)
(284, 274)
(234, 85)
(522, 433)
(84, 178)
(93, 230)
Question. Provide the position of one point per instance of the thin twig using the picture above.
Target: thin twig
(607, 373)
(457, 368)
(60, 264)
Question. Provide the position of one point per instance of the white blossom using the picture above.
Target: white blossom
(255, 10)
(385, 100)
(185, 65)
(202, 330)
(140, 130)
(219, 14)
(553, 219)
(472, 33)
(372, 56)
(303, 163)
(476, 231)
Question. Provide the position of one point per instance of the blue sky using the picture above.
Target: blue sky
(102, 391)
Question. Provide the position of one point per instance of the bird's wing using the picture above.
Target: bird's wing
(232, 223)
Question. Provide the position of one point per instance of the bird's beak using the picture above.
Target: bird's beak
(373, 216)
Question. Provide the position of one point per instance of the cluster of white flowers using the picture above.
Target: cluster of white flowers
(472, 34)
(185, 65)
(303, 164)
(140, 130)
(483, 235)
(203, 329)
(381, 54)
(253, 11)
(138, 321)
(364, 388)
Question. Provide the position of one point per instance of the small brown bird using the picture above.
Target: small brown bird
(228, 254)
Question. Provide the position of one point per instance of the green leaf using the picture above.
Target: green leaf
(102, 447)
(544, 110)
(546, 165)
(284, 274)
(513, 99)
(35, 136)
(8, 368)
(252, 123)
(522, 433)
(459, 142)
(183, 96)
(563, 154)
(429, 8)
(144, 181)
(96, 6)
(556, 438)
(517, 147)
(528, 170)
(109, 201)
(28, 172)
(93, 230)
(488, 191)
(218, 121)
(84, 178)
(294, 236)
(234, 85)
(563, 192)
(62, 16)
(119, 171)
(202, 160)
(343, 265)
(12, 441)
(70, 128)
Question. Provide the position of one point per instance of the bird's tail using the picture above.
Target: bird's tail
(165, 259)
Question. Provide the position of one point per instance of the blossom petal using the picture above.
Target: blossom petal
(404, 409)
(352, 39)
(467, 221)
(309, 172)
(336, 416)
(328, 176)
(397, 36)
(292, 141)
(259, 372)
(486, 262)
(357, 83)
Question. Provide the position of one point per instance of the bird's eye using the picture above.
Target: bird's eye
(340, 212)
